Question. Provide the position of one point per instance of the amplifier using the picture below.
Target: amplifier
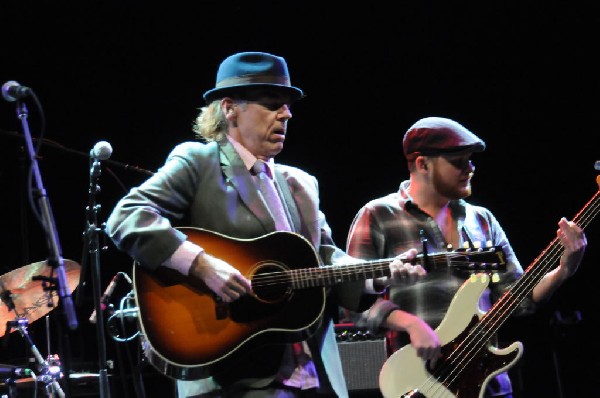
(362, 356)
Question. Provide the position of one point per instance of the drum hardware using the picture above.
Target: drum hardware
(26, 295)
(48, 370)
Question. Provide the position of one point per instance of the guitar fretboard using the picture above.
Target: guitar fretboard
(489, 259)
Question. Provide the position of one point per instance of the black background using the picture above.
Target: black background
(522, 75)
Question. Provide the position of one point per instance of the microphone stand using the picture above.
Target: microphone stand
(93, 245)
(55, 145)
(55, 260)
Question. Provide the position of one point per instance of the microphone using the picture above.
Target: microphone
(10, 372)
(106, 296)
(12, 91)
(101, 151)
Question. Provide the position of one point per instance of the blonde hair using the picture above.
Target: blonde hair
(211, 124)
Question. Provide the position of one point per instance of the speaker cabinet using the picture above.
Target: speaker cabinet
(362, 362)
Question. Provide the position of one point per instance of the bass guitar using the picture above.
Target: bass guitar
(188, 334)
(468, 359)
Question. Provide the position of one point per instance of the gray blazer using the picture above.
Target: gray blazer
(208, 186)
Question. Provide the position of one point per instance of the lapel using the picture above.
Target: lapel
(236, 173)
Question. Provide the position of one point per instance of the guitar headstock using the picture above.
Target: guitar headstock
(488, 259)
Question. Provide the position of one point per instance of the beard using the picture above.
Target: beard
(451, 190)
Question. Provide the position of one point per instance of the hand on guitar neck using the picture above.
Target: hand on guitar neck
(402, 268)
(574, 241)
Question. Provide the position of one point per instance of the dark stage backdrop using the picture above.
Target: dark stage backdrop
(523, 75)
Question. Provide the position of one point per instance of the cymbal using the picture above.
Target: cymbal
(30, 300)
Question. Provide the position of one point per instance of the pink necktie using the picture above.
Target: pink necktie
(270, 196)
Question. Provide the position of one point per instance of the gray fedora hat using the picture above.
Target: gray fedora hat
(252, 69)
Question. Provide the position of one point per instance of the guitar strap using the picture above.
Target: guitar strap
(467, 237)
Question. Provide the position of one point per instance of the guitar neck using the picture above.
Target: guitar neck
(466, 259)
(334, 274)
(535, 272)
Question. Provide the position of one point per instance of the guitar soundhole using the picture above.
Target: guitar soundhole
(271, 282)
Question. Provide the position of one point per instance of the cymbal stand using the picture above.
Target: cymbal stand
(48, 371)
(6, 298)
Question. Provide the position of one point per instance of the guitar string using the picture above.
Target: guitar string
(586, 217)
(383, 270)
(311, 277)
(508, 302)
(495, 317)
(553, 248)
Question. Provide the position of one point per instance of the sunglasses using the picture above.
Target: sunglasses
(461, 163)
(269, 99)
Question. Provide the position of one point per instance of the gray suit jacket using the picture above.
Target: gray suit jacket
(208, 186)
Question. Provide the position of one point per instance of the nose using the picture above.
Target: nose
(285, 111)
(471, 167)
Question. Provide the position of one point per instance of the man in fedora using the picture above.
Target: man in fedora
(230, 185)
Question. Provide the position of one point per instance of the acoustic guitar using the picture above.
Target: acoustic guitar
(188, 334)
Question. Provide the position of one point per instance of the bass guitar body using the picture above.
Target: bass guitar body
(404, 374)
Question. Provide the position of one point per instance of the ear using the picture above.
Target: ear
(227, 106)
(421, 163)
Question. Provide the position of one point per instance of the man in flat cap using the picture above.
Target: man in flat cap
(220, 309)
(430, 213)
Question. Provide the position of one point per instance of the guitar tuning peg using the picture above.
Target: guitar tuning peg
(481, 277)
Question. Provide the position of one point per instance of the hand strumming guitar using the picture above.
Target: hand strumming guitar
(422, 337)
(224, 280)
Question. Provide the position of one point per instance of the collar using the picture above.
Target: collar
(406, 201)
(247, 157)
